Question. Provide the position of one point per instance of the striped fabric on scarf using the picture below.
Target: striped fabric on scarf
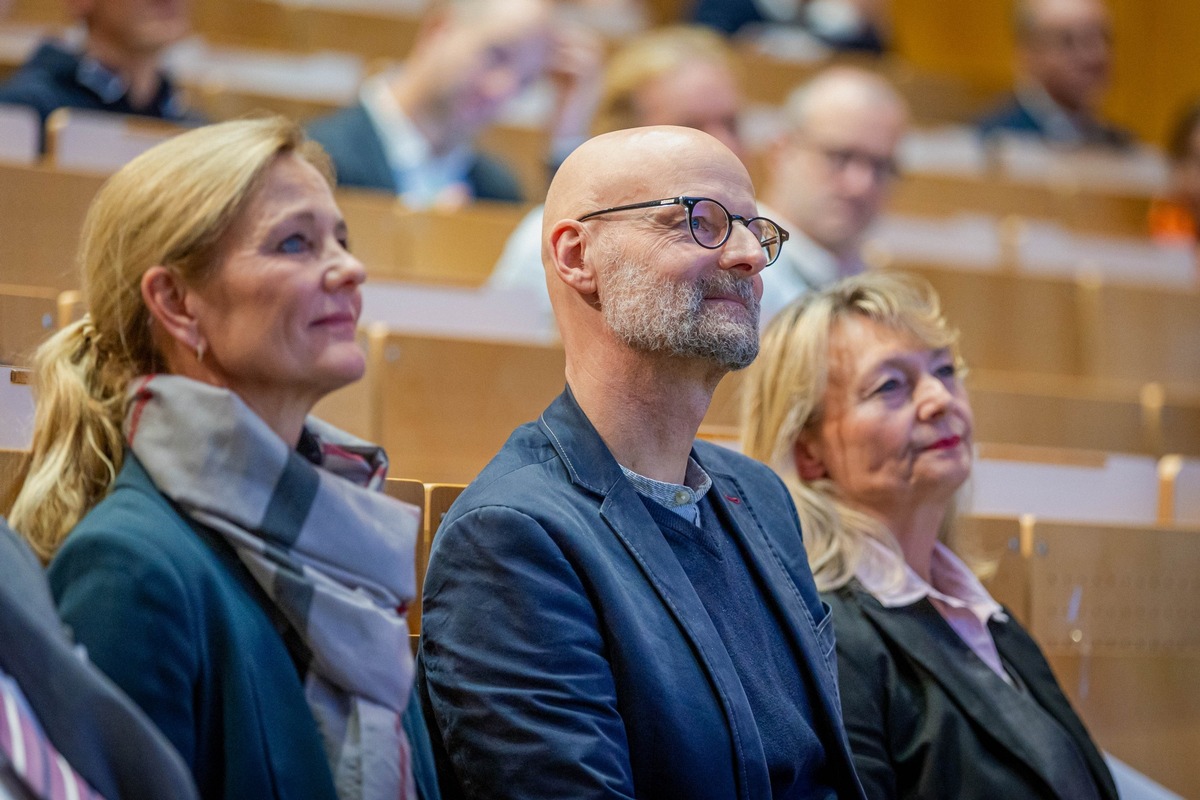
(334, 554)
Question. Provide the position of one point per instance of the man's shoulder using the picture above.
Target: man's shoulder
(350, 139)
(492, 179)
(1009, 115)
(522, 475)
(45, 82)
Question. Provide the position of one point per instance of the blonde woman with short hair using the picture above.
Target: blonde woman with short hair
(857, 400)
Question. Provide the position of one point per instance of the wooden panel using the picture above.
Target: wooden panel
(12, 464)
(245, 23)
(448, 405)
(413, 493)
(1008, 322)
(996, 541)
(27, 316)
(381, 35)
(441, 497)
(219, 103)
(1086, 211)
(43, 211)
(1144, 334)
(454, 248)
(972, 41)
(1114, 608)
(1034, 410)
(1144, 708)
(1115, 588)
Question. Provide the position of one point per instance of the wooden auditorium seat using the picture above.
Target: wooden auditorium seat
(47, 207)
(434, 500)
(20, 135)
(16, 408)
(442, 407)
(1180, 497)
(1063, 484)
(99, 141)
(1112, 607)
(27, 315)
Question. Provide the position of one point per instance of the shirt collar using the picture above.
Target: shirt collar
(682, 498)
(1058, 123)
(953, 582)
(110, 87)
(410, 155)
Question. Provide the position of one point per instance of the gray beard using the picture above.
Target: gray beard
(668, 317)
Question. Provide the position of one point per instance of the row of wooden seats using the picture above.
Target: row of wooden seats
(289, 30)
(379, 34)
(1011, 321)
(1112, 607)
(443, 406)
(99, 143)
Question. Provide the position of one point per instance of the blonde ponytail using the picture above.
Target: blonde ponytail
(77, 443)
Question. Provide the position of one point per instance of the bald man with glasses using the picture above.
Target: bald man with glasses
(613, 609)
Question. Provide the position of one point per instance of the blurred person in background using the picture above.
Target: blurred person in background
(1173, 218)
(828, 177)
(413, 130)
(1064, 50)
(117, 67)
(857, 401)
(677, 75)
(859, 25)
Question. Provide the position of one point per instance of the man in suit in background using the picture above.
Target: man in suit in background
(613, 609)
(413, 131)
(1065, 55)
(118, 67)
(828, 176)
(73, 727)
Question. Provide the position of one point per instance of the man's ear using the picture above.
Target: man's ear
(166, 297)
(807, 456)
(567, 250)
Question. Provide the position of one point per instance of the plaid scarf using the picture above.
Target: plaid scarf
(334, 555)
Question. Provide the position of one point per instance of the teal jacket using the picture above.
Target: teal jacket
(168, 618)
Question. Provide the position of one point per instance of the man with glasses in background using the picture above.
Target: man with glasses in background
(613, 609)
(828, 177)
(1064, 50)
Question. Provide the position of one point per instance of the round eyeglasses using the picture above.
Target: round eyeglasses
(711, 223)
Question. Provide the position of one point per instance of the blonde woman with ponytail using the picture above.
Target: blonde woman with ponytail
(227, 559)
(857, 401)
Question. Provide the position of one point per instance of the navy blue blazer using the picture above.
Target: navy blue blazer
(358, 157)
(181, 627)
(565, 653)
(92, 725)
(921, 726)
